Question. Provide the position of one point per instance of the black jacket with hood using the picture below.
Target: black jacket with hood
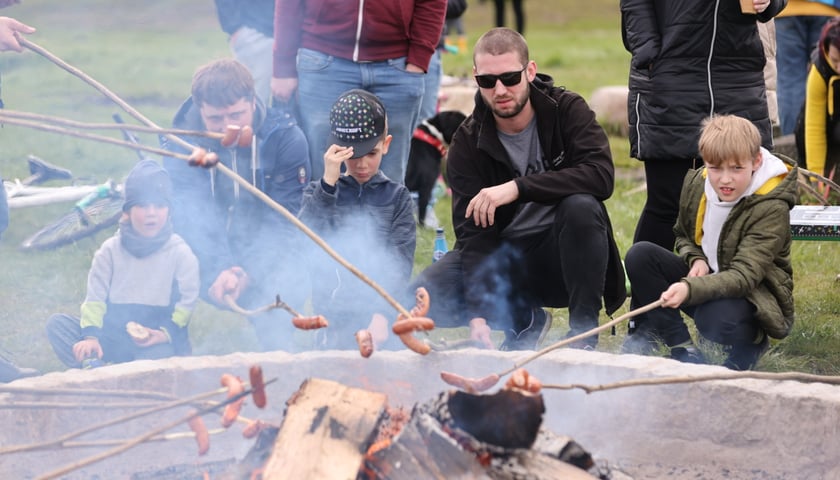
(576, 157)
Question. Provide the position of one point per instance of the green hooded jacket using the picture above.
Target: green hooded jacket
(753, 252)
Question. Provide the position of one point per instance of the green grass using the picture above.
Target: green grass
(146, 53)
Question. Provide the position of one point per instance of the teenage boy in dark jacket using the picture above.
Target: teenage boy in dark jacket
(364, 215)
(246, 249)
(529, 171)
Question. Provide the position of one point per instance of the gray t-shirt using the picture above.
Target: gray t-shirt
(525, 153)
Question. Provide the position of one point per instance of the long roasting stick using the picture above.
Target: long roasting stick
(142, 438)
(637, 382)
(222, 168)
(108, 423)
(484, 383)
(12, 120)
(37, 117)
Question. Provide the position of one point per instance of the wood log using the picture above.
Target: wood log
(424, 450)
(326, 431)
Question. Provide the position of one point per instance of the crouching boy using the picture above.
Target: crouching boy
(365, 215)
(732, 273)
(142, 285)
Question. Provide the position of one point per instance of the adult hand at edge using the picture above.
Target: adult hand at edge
(10, 30)
(283, 88)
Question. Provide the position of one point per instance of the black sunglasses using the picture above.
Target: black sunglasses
(508, 79)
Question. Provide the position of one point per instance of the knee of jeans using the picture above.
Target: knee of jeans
(711, 329)
(637, 256)
(580, 211)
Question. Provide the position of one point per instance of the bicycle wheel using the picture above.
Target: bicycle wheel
(99, 215)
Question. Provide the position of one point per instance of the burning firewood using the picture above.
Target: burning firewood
(461, 435)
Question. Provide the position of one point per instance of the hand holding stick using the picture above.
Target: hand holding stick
(484, 383)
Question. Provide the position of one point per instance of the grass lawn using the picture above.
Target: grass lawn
(146, 53)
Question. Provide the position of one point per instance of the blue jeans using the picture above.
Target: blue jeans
(796, 38)
(428, 106)
(254, 50)
(323, 78)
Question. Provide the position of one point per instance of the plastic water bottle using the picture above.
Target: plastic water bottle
(440, 247)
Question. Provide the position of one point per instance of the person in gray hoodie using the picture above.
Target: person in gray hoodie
(142, 285)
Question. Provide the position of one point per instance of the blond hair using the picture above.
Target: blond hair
(728, 138)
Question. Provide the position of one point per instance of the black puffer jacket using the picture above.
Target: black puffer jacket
(691, 59)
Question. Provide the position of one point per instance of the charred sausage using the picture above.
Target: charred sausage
(255, 375)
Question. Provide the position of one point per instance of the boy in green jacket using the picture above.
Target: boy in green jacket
(732, 271)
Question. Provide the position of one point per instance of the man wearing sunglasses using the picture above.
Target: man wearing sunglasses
(529, 171)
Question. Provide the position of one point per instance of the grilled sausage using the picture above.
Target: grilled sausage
(310, 323)
(235, 387)
(202, 436)
(255, 375)
(230, 136)
(522, 380)
(470, 385)
(246, 136)
(408, 325)
(252, 429)
(415, 344)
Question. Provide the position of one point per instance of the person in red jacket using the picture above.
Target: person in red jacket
(325, 48)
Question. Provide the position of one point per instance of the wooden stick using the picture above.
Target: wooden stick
(586, 334)
(74, 405)
(148, 435)
(90, 136)
(108, 423)
(222, 168)
(116, 450)
(85, 392)
(108, 126)
(156, 438)
(636, 382)
(486, 382)
(231, 303)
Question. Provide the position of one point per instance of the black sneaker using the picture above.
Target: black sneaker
(641, 342)
(532, 335)
(9, 371)
(688, 354)
(744, 357)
